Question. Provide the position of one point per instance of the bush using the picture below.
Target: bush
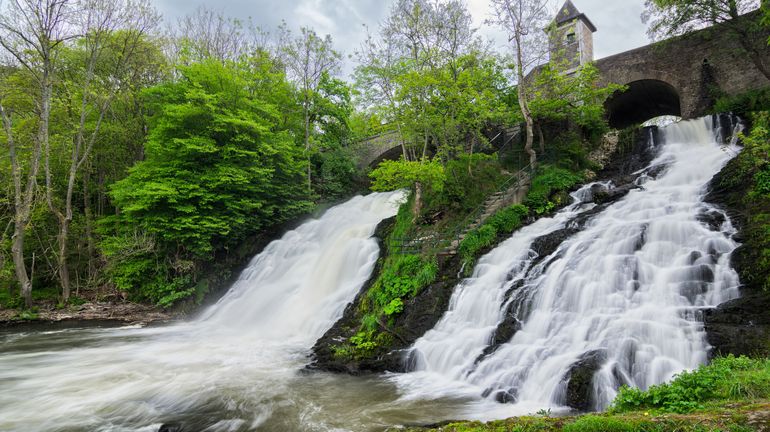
(728, 378)
(508, 219)
(745, 103)
(469, 180)
(549, 179)
(402, 276)
(401, 174)
(502, 222)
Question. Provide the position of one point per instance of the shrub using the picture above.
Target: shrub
(548, 180)
(725, 378)
(745, 103)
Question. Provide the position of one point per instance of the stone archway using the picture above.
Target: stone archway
(644, 99)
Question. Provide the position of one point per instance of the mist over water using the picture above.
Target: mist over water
(626, 292)
(627, 289)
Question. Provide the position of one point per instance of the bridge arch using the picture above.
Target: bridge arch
(644, 99)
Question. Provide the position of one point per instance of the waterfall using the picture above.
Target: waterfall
(620, 299)
(234, 368)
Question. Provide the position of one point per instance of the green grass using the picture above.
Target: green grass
(499, 225)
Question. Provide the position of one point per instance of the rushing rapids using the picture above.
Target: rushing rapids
(618, 303)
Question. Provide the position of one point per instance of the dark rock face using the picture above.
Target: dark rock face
(171, 427)
(580, 378)
(740, 326)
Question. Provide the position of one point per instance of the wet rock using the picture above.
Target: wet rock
(580, 380)
(740, 326)
(420, 314)
(171, 427)
(506, 396)
(614, 194)
(547, 244)
(712, 218)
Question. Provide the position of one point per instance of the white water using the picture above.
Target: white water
(629, 286)
(235, 368)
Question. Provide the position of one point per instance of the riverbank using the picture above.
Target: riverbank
(117, 312)
(734, 417)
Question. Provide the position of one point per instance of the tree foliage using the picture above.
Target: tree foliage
(577, 97)
(217, 166)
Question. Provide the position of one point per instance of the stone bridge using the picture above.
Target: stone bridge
(679, 76)
(373, 150)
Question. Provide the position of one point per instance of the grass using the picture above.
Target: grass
(725, 379)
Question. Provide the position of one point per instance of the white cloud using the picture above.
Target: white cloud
(618, 22)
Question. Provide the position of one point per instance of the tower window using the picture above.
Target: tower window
(570, 37)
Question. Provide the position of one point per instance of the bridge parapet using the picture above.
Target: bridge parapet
(688, 68)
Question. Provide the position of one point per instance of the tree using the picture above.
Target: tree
(107, 27)
(524, 20)
(31, 33)
(218, 168)
(425, 50)
(669, 18)
(207, 33)
(307, 58)
(575, 97)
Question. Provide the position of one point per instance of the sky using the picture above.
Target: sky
(618, 21)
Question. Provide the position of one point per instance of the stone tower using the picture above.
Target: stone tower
(571, 39)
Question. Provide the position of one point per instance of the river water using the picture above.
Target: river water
(627, 289)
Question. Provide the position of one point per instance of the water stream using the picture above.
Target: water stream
(625, 291)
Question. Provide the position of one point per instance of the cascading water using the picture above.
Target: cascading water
(237, 364)
(620, 299)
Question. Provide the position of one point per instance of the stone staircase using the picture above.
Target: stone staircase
(514, 193)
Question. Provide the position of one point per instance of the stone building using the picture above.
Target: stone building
(571, 39)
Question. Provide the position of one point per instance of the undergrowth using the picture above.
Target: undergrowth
(746, 185)
(726, 378)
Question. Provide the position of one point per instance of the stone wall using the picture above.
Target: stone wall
(692, 64)
(372, 150)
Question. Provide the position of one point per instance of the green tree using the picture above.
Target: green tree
(218, 167)
(32, 33)
(308, 58)
(524, 21)
(575, 97)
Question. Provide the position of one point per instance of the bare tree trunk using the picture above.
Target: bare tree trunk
(401, 140)
(523, 105)
(306, 112)
(529, 126)
(17, 251)
(91, 248)
(23, 200)
(417, 207)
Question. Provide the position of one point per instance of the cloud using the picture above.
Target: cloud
(618, 22)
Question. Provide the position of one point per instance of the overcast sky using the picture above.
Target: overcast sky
(618, 21)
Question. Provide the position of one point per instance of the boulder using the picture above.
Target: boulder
(580, 378)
